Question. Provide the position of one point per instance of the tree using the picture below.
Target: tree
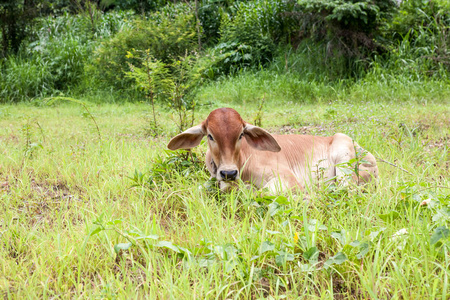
(16, 17)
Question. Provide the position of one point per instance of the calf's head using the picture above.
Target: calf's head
(226, 132)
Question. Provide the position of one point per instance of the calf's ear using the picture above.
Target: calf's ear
(260, 139)
(187, 139)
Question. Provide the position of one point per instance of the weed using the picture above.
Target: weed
(30, 147)
(259, 114)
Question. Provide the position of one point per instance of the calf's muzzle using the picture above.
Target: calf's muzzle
(229, 175)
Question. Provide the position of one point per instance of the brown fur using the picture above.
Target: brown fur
(278, 162)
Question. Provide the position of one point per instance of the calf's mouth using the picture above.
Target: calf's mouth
(226, 176)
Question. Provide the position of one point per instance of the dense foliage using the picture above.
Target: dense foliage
(75, 47)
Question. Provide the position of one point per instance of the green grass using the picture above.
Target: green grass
(291, 86)
(60, 183)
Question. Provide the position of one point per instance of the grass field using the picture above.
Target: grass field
(87, 213)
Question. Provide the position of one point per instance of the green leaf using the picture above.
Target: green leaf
(442, 214)
(122, 246)
(339, 235)
(185, 251)
(134, 233)
(267, 199)
(338, 259)
(148, 237)
(36, 145)
(114, 222)
(283, 257)
(322, 227)
(168, 245)
(363, 250)
(439, 233)
(96, 230)
(272, 232)
(389, 217)
(312, 254)
(355, 243)
(374, 234)
(282, 200)
(266, 246)
(274, 208)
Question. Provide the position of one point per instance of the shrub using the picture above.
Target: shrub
(173, 84)
(152, 78)
(210, 16)
(166, 40)
(54, 55)
(363, 16)
(140, 6)
(242, 43)
(228, 58)
(421, 36)
(249, 37)
(170, 12)
(414, 15)
(350, 28)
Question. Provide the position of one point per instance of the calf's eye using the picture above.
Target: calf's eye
(241, 136)
(210, 137)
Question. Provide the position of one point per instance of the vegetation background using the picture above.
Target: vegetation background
(91, 205)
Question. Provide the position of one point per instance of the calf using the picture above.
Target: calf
(237, 149)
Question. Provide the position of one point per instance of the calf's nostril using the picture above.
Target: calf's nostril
(229, 175)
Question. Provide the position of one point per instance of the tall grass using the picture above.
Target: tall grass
(187, 242)
(53, 59)
(302, 77)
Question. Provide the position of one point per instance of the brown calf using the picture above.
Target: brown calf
(237, 149)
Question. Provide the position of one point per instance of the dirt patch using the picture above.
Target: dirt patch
(4, 186)
(42, 201)
(58, 190)
(342, 290)
(439, 143)
(10, 138)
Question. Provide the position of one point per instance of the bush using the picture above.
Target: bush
(229, 58)
(54, 55)
(210, 16)
(166, 39)
(414, 15)
(140, 6)
(350, 28)
(56, 65)
(421, 36)
(173, 84)
(249, 37)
